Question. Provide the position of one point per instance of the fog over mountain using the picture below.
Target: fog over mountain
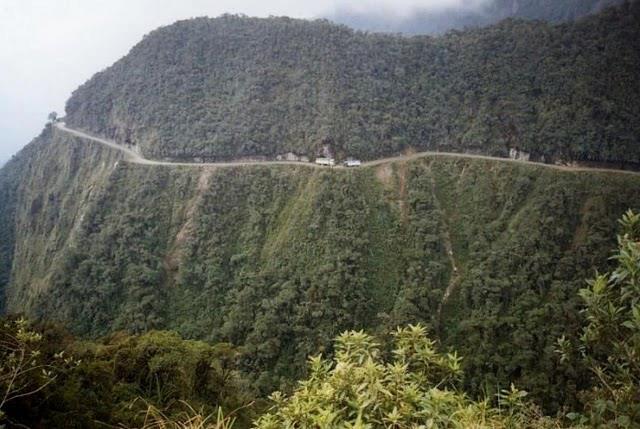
(441, 17)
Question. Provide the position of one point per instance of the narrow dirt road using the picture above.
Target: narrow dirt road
(135, 157)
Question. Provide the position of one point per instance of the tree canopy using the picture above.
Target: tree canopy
(235, 86)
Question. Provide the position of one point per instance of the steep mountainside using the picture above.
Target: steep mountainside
(233, 86)
(280, 259)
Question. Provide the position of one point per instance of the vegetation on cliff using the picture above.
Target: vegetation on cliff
(268, 263)
(276, 261)
(406, 384)
(235, 86)
(279, 260)
(414, 387)
(53, 380)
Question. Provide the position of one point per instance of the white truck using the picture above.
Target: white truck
(352, 163)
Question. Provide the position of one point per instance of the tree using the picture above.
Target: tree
(24, 371)
(53, 117)
(359, 389)
(610, 342)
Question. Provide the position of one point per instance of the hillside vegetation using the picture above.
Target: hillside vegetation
(235, 86)
(215, 284)
(119, 381)
(157, 379)
(279, 260)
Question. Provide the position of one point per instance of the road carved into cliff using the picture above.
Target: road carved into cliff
(134, 157)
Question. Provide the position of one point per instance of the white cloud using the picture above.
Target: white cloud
(402, 8)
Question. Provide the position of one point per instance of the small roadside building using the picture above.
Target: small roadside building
(330, 162)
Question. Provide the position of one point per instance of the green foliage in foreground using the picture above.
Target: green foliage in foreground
(121, 380)
(281, 260)
(24, 370)
(415, 389)
(154, 380)
(158, 380)
(610, 343)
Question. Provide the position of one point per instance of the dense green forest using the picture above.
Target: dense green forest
(279, 260)
(115, 381)
(236, 86)
(159, 380)
(162, 292)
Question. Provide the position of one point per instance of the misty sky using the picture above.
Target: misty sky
(48, 48)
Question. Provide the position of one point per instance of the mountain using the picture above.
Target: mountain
(440, 20)
(241, 87)
(278, 260)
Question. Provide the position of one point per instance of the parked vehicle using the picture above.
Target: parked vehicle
(352, 163)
